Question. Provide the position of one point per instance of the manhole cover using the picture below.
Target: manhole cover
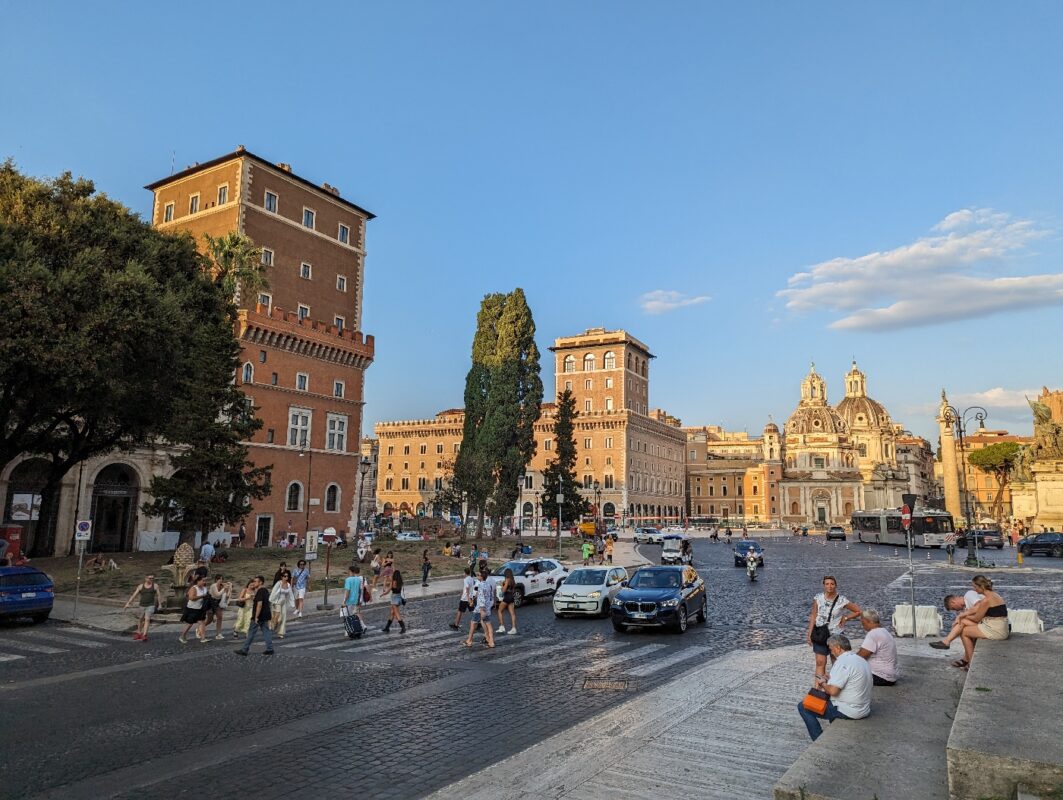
(599, 683)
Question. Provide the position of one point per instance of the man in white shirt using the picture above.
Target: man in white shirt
(962, 605)
(849, 687)
(878, 649)
(468, 598)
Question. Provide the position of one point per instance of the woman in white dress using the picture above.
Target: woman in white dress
(281, 600)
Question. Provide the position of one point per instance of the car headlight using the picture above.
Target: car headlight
(594, 595)
(670, 603)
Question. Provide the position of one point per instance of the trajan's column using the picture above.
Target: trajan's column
(950, 474)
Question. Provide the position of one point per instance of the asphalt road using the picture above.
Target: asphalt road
(89, 714)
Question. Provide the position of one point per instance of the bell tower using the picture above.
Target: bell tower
(855, 382)
(813, 388)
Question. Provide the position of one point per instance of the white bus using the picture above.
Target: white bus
(883, 526)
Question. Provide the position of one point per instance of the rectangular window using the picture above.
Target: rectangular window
(341, 283)
(391, 450)
(273, 379)
(818, 462)
(298, 427)
(339, 322)
(261, 356)
(588, 481)
(167, 213)
(193, 204)
(337, 433)
(586, 405)
(422, 484)
(548, 444)
(338, 388)
(304, 311)
(223, 194)
(587, 444)
(405, 484)
(389, 483)
(267, 257)
(270, 202)
(439, 484)
(302, 381)
(608, 442)
(608, 404)
(305, 271)
(608, 383)
(609, 482)
(344, 234)
(439, 448)
(405, 449)
(588, 384)
(568, 385)
(309, 216)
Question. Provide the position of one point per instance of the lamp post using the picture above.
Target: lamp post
(959, 420)
(597, 505)
(304, 450)
(560, 497)
(363, 468)
(519, 518)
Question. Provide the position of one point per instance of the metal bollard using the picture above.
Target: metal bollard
(927, 555)
(869, 548)
(894, 552)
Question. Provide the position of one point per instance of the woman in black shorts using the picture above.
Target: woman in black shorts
(508, 602)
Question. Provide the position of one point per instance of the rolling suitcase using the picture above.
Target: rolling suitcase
(352, 624)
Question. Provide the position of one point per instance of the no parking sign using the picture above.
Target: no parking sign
(83, 530)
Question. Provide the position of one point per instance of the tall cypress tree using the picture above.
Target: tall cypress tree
(503, 393)
(559, 477)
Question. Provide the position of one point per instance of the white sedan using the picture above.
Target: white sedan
(589, 590)
(408, 536)
(648, 536)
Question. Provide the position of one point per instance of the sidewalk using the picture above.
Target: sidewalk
(725, 731)
(108, 615)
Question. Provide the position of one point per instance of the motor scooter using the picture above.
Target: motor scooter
(751, 569)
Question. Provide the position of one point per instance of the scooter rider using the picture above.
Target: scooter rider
(751, 563)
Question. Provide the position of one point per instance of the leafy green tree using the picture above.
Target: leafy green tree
(996, 460)
(106, 323)
(559, 477)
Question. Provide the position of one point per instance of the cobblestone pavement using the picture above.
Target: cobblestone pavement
(394, 715)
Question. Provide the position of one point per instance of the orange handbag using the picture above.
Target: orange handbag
(816, 701)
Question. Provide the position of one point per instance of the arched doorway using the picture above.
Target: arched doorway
(23, 505)
(114, 508)
(608, 510)
(527, 513)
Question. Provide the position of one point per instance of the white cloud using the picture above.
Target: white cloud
(661, 301)
(997, 397)
(929, 281)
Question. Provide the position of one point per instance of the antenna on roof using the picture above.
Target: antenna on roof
(173, 160)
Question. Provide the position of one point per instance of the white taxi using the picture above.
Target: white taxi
(535, 577)
(589, 590)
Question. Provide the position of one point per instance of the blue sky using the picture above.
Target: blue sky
(743, 186)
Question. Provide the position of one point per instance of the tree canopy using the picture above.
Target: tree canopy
(107, 324)
(559, 477)
(996, 460)
(503, 396)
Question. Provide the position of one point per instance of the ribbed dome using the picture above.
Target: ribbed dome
(771, 427)
(863, 413)
(815, 419)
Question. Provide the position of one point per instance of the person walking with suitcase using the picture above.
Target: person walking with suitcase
(353, 600)
(260, 617)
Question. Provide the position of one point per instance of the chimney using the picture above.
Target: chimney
(285, 167)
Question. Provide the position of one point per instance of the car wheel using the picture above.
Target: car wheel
(1025, 550)
(1057, 552)
(703, 614)
(518, 596)
(681, 619)
(606, 607)
(1000, 547)
(41, 617)
(619, 627)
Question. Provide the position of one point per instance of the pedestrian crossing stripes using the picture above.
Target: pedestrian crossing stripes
(667, 661)
(613, 661)
(35, 641)
(54, 637)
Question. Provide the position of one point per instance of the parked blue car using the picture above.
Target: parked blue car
(25, 592)
(660, 597)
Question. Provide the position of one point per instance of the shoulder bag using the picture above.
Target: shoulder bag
(820, 633)
(816, 701)
(367, 593)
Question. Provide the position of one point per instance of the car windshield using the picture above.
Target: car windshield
(518, 568)
(586, 577)
(742, 547)
(655, 579)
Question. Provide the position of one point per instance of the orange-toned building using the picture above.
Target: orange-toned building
(304, 355)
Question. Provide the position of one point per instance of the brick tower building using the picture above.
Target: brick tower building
(304, 355)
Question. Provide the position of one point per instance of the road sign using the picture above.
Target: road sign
(311, 545)
(83, 530)
(906, 517)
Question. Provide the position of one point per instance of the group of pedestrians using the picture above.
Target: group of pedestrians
(481, 595)
(601, 548)
(204, 604)
(981, 613)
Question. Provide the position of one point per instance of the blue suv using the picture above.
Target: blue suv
(660, 597)
(25, 592)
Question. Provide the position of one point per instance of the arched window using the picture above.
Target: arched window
(249, 373)
(294, 497)
(643, 368)
(332, 497)
(588, 362)
(609, 360)
(570, 364)
(629, 360)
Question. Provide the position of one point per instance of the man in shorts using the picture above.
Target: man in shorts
(300, 581)
(481, 615)
(588, 551)
(468, 598)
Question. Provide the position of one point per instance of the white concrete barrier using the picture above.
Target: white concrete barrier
(927, 620)
(1025, 620)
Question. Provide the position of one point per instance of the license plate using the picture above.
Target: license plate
(573, 605)
(640, 615)
(28, 594)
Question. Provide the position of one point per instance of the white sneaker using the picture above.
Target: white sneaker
(219, 637)
(298, 614)
(501, 629)
(182, 640)
(512, 632)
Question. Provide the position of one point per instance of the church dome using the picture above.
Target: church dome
(771, 427)
(857, 409)
(813, 414)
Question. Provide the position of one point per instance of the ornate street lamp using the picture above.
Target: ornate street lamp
(959, 421)
(597, 505)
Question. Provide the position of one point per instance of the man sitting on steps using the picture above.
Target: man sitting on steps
(849, 687)
(878, 649)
